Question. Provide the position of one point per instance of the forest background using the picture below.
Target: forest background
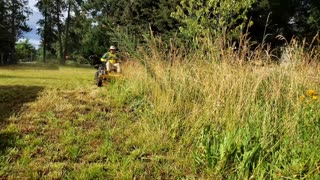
(76, 29)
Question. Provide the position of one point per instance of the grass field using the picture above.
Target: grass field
(182, 121)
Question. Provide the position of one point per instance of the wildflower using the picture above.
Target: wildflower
(315, 97)
(301, 98)
(311, 92)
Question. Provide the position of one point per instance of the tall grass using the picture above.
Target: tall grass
(227, 120)
(210, 114)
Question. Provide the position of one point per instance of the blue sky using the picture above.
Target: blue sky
(33, 37)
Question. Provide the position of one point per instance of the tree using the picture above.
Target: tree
(59, 8)
(214, 17)
(307, 18)
(13, 16)
(43, 7)
(136, 16)
(25, 51)
(91, 26)
(67, 25)
(51, 27)
(289, 18)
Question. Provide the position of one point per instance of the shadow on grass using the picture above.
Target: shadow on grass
(7, 140)
(12, 98)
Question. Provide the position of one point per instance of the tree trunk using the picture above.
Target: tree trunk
(65, 54)
(61, 59)
(13, 34)
(45, 31)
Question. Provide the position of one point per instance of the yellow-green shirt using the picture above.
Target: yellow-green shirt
(112, 58)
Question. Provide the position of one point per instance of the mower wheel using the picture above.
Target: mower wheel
(99, 82)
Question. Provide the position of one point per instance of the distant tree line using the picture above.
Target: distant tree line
(82, 28)
(13, 17)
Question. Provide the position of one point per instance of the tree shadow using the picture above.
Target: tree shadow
(12, 98)
(7, 140)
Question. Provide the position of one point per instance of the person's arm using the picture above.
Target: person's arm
(104, 57)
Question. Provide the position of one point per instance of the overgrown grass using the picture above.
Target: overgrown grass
(228, 121)
(173, 119)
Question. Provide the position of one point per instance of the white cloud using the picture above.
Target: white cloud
(32, 4)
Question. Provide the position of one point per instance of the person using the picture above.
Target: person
(111, 59)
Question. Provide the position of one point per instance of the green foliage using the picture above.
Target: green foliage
(212, 17)
(312, 18)
(289, 18)
(13, 17)
(96, 41)
(95, 25)
(25, 51)
(142, 15)
(49, 24)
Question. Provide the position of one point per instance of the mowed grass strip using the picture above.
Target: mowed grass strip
(70, 128)
(54, 124)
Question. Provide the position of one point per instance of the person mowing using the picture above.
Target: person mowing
(111, 60)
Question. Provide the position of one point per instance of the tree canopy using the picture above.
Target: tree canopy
(25, 51)
(82, 28)
(13, 17)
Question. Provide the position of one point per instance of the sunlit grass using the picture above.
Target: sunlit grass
(236, 120)
(186, 119)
